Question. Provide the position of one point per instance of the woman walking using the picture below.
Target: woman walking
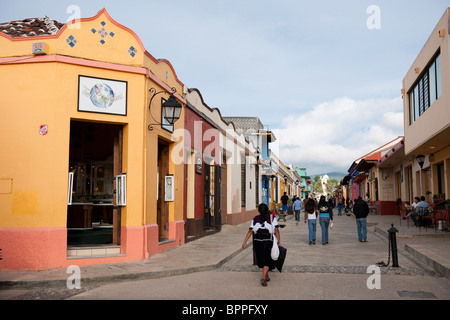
(310, 216)
(325, 217)
(262, 226)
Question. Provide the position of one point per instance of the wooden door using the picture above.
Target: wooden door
(162, 205)
(207, 199)
(217, 196)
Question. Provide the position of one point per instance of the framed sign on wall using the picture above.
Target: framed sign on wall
(169, 188)
(100, 95)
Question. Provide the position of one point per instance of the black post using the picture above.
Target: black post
(393, 240)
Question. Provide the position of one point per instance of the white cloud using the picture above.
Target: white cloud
(333, 134)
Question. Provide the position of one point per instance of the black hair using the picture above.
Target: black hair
(310, 205)
(263, 209)
(322, 199)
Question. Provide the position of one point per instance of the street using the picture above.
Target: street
(344, 269)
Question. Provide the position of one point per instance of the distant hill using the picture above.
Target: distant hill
(333, 175)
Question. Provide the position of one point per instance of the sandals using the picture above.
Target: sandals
(264, 282)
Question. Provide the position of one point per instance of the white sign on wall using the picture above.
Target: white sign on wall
(102, 95)
(169, 188)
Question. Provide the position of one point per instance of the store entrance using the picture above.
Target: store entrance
(94, 161)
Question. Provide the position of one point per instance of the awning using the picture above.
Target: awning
(346, 179)
(359, 178)
(365, 165)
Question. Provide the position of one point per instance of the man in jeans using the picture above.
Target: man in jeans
(297, 206)
(361, 211)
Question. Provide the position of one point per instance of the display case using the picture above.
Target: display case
(92, 182)
(90, 196)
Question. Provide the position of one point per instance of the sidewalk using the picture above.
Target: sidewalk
(213, 251)
(429, 246)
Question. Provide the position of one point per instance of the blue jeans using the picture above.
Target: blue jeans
(324, 222)
(312, 229)
(297, 215)
(361, 225)
(416, 218)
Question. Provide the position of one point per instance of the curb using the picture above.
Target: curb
(438, 267)
(90, 280)
(416, 256)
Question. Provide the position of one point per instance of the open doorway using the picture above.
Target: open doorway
(94, 160)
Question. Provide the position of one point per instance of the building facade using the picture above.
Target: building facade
(232, 157)
(87, 172)
(426, 105)
(305, 184)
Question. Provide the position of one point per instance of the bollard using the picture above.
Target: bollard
(393, 241)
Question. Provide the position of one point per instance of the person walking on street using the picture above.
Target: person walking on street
(340, 207)
(297, 206)
(311, 218)
(361, 211)
(325, 213)
(284, 201)
(262, 226)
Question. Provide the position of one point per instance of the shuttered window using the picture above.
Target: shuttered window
(426, 91)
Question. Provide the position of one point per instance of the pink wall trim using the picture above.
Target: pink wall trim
(92, 64)
(46, 248)
(235, 219)
(32, 248)
(176, 235)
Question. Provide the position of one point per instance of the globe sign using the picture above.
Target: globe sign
(102, 96)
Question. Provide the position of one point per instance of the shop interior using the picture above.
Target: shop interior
(90, 211)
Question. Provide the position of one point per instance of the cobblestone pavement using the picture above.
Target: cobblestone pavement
(222, 253)
(343, 255)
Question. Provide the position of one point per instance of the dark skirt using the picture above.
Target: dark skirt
(263, 247)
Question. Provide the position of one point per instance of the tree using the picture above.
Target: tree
(317, 185)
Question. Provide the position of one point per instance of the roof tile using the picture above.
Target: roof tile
(31, 27)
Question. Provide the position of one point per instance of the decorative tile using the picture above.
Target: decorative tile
(132, 51)
(103, 32)
(71, 41)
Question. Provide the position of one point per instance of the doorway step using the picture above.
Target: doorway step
(95, 251)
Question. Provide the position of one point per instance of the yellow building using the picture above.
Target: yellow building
(87, 174)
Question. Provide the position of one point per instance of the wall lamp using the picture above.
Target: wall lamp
(420, 160)
(170, 109)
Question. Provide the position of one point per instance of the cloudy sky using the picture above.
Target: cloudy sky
(325, 76)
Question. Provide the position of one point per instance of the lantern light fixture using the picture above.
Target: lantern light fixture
(170, 109)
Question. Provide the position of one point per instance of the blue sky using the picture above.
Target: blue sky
(312, 71)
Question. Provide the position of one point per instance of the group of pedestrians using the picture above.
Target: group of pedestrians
(324, 211)
(264, 227)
